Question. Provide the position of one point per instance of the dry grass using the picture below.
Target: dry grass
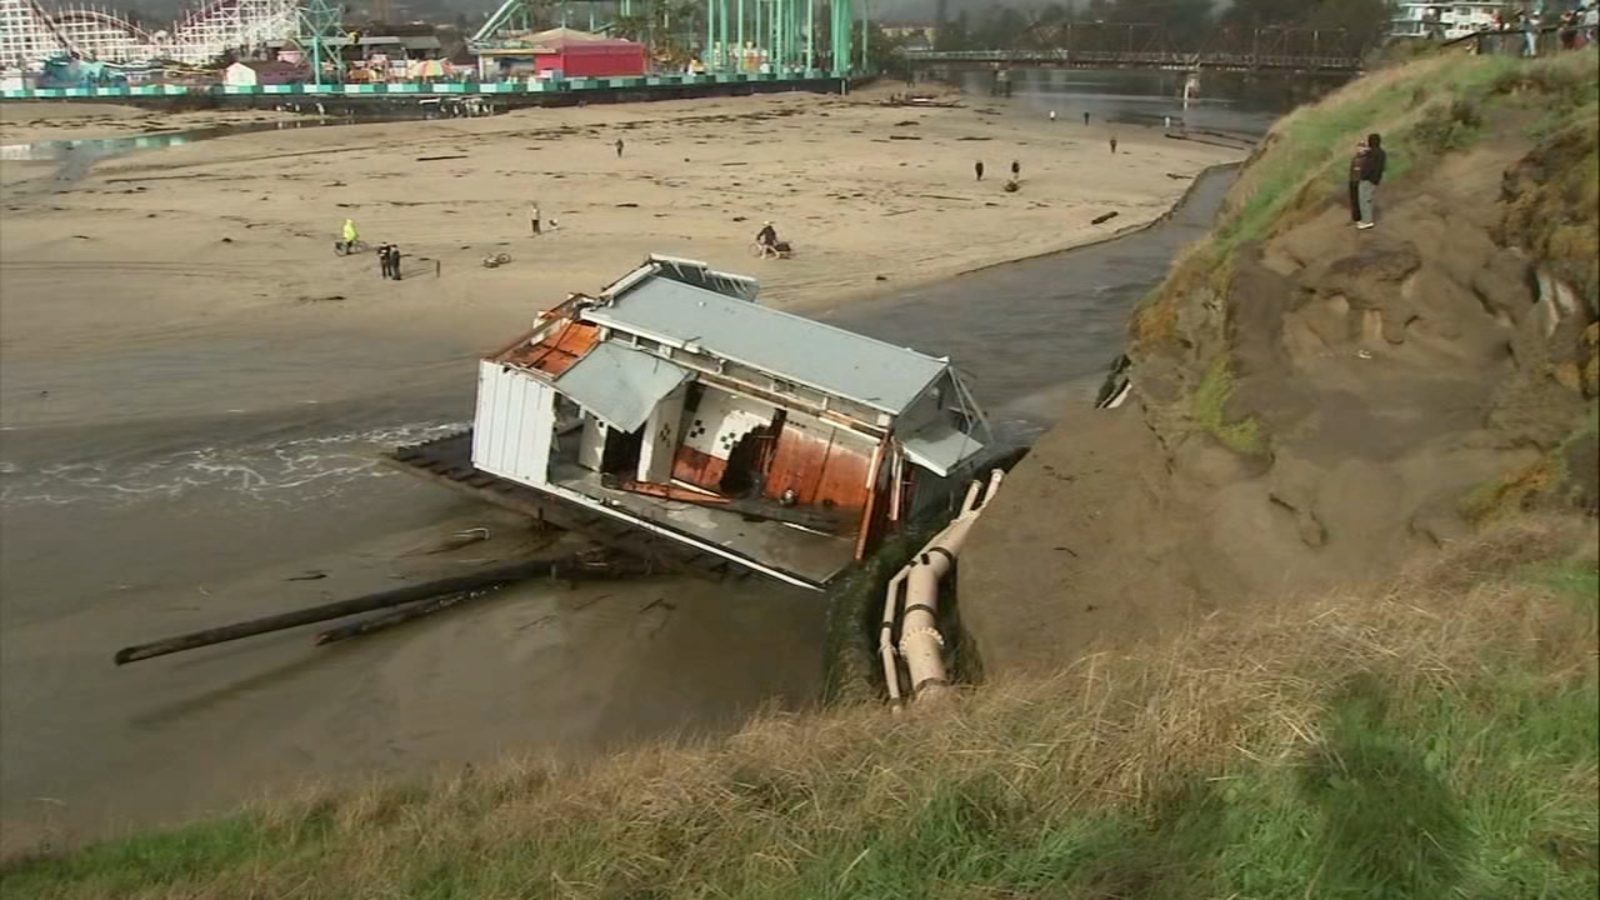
(1420, 741)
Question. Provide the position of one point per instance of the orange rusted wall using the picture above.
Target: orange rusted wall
(699, 469)
(819, 467)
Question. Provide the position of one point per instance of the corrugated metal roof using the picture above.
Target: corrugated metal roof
(940, 447)
(555, 353)
(620, 385)
(790, 347)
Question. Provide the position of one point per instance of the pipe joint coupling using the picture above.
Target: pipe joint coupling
(920, 632)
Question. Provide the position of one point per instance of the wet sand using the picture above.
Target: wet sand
(27, 122)
(192, 390)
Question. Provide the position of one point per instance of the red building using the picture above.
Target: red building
(592, 59)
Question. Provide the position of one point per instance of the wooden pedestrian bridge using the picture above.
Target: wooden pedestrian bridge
(1103, 46)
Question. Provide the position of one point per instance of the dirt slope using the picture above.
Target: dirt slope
(1315, 404)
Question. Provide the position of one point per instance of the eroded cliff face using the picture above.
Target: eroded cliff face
(1316, 406)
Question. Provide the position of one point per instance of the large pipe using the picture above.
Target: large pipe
(891, 612)
(921, 644)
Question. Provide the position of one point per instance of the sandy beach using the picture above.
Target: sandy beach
(239, 230)
(193, 389)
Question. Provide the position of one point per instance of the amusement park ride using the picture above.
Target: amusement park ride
(31, 34)
(739, 35)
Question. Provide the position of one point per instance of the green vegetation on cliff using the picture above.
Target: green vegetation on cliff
(1425, 110)
(1436, 739)
(1501, 147)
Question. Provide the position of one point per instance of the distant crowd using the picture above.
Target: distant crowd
(1575, 27)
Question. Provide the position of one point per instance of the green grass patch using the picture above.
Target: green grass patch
(200, 853)
(1209, 410)
(1580, 581)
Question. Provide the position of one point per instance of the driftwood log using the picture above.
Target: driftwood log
(394, 617)
(574, 567)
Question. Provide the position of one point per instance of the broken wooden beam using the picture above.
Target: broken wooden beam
(572, 567)
(393, 617)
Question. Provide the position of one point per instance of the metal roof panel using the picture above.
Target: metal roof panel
(790, 347)
(940, 447)
(619, 385)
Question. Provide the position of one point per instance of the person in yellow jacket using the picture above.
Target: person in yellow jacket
(350, 235)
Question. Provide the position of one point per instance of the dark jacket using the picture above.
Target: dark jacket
(1369, 166)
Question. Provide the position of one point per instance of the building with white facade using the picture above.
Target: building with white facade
(1443, 21)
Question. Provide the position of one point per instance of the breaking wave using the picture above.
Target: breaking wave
(291, 471)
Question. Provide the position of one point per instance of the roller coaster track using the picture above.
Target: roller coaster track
(31, 34)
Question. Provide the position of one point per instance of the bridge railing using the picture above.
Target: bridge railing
(1164, 59)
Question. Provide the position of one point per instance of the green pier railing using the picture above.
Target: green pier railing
(450, 88)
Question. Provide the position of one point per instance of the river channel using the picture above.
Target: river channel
(204, 518)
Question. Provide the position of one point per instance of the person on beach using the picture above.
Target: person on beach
(1113, 145)
(394, 262)
(350, 235)
(1016, 170)
(1085, 118)
(535, 218)
(1052, 115)
(1366, 173)
(383, 261)
(619, 148)
(768, 238)
(978, 167)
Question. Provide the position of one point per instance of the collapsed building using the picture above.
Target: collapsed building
(674, 403)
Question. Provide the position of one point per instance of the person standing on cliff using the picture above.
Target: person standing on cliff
(1366, 173)
(1357, 163)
